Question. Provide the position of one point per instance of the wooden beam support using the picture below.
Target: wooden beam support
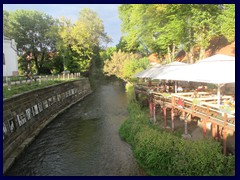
(172, 118)
(154, 113)
(151, 109)
(204, 128)
(217, 132)
(225, 134)
(205, 120)
(185, 124)
(172, 112)
(213, 130)
(165, 117)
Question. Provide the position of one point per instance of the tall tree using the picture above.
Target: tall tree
(167, 28)
(35, 34)
(204, 24)
(82, 40)
(227, 22)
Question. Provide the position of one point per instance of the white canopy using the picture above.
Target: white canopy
(168, 68)
(217, 69)
(209, 70)
(157, 70)
(218, 57)
(147, 72)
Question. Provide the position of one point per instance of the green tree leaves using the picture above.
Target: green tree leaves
(35, 34)
(124, 65)
(54, 45)
(169, 28)
(227, 22)
(80, 41)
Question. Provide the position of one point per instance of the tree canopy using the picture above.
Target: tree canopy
(48, 45)
(36, 36)
(168, 28)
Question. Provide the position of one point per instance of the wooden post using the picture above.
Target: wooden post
(204, 128)
(185, 124)
(172, 118)
(165, 117)
(172, 113)
(224, 142)
(150, 108)
(225, 135)
(154, 113)
(218, 133)
(213, 130)
(205, 123)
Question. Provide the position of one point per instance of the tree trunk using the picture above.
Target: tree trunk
(41, 62)
(201, 53)
(36, 62)
(191, 55)
(169, 55)
(173, 53)
(187, 57)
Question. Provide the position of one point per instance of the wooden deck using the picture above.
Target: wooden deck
(204, 107)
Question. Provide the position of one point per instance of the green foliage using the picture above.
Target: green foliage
(196, 101)
(80, 41)
(115, 65)
(169, 28)
(130, 92)
(227, 21)
(166, 95)
(106, 54)
(36, 36)
(134, 66)
(163, 153)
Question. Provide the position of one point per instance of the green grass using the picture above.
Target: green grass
(19, 89)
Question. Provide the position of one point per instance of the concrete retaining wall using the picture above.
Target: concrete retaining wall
(25, 115)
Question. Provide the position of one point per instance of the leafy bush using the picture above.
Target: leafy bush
(134, 66)
(123, 65)
(163, 153)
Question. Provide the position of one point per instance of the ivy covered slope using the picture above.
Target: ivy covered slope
(163, 153)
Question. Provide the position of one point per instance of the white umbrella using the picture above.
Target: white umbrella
(147, 72)
(156, 70)
(217, 57)
(215, 70)
(166, 69)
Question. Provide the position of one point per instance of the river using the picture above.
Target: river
(84, 140)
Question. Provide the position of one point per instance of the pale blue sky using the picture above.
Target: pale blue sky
(107, 12)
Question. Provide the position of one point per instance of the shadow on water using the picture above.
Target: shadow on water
(84, 140)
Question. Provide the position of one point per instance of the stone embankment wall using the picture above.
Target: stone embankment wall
(25, 115)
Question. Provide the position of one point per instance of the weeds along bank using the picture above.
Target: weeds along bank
(165, 153)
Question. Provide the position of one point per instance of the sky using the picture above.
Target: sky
(107, 12)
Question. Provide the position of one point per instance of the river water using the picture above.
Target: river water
(84, 140)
